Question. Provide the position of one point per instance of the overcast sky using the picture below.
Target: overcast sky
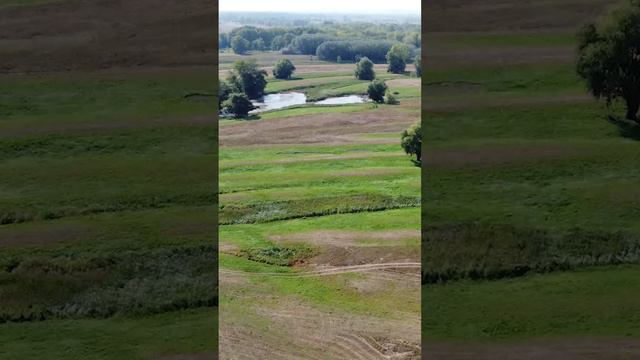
(315, 6)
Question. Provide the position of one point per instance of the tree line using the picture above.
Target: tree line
(360, 39)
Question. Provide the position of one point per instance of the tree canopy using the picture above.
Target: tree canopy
(246, 77)
(411, 141)
(609, 58)
(397, 58)
(240, 45)
(238, 104)
(376, 90)
(364, 70)
(283, 69)
(350, 50)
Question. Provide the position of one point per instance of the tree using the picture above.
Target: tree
(412, 38)
(246, 77)
(307, 44)
(397, 58)
(364, 70)
(238, 104)
(376, 90)
(609, 58)
(278, 43)
(283, 69)
(223, 40)
(411, 141)
(258, 44)
(224, 90)
(417, 62)
(240, 45)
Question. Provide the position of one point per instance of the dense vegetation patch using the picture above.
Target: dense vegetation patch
(279, 255)
(96, 284)
(319, 206)
(483, 251)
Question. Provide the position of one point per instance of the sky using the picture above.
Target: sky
(323, 6)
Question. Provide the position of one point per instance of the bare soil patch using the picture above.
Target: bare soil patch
(90, 35)
(485, 56)
(453, 104)
(487, 155)
(347, 238)
(190, 356)
(322, 128)
(102, 127)
(551, 349)
(313, 334)
(413, 82)
(470, 15)
(44, 235)
(359, 255)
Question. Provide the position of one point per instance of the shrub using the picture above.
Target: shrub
(412, 141)
(390, 99)
(376, 90)
(238, 104)
(283, 69)
(364, 70)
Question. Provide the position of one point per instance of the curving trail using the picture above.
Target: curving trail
(330, 271)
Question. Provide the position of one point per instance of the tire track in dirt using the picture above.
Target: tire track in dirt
(330, 271)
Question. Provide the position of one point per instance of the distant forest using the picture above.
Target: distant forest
(329, 37)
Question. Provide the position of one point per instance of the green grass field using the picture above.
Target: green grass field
(107, 206)
(320, 193)
(532, 213)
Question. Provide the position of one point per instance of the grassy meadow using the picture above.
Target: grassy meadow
(107, 206)
(532, 228)
(310, 188)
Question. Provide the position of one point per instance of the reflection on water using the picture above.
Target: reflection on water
(351, 99)
(280, 100)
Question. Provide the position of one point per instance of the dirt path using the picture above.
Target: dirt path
(329, 271)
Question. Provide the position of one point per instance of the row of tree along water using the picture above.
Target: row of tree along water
(247, 81)
(347, 42)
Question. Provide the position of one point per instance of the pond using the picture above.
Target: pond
(282, 100)
(350, 99)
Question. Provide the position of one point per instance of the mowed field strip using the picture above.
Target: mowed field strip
(532, 240)
(107, 194)
(320, 223)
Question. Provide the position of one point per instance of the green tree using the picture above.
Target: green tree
(258, 44)
(411, 141)
(284, 69)
(224, 90)
(376, 90)
(223, 40)
(240, 45)
(397, 58)
(417, 62)
(364, 70)
(238, 104)
(412, 38)
(248, 78)
(609, 58)
(278, 43)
